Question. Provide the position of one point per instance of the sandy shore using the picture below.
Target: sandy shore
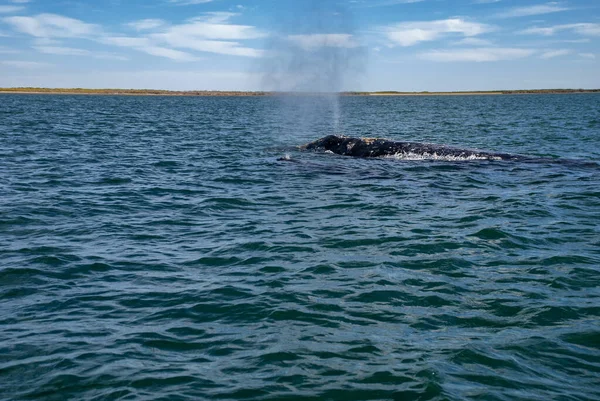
(151, 92)
(125, 92)
(434, 93)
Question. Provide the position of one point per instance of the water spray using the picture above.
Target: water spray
(310, 60)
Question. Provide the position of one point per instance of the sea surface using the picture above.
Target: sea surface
(155, 248)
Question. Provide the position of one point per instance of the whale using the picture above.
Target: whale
(379, 147)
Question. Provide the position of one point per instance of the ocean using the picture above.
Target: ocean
(156, 248)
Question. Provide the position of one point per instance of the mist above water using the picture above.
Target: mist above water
(314, 54)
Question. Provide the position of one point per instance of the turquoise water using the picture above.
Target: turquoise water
(154, 248)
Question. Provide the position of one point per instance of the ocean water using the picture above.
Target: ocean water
(155, 248)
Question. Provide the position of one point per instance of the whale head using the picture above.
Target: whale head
(328, 142)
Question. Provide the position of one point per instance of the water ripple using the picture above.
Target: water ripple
(155, 249)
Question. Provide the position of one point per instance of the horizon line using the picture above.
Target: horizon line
(203, 92)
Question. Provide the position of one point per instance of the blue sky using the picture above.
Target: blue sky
(406, 45)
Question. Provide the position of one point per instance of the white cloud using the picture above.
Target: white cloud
(216, 26)
(145, 45)
(209, 46)
(70, 51)
(411, 33)
(212, 33)
(215, 17)
(126, 41)
(189, 2)
(10, 9)
(472, 42)
(46, 42)
(485, 1)
(51, 25)
(584, 29)
(585, 40)
(20, 1)
(381, 3)
(555, 53)
(540, 31)
(532, 10)
(172, 54)
(60, 50)
(590, 56)
(28, 65)
(482, 54)
(146, 24)
(108, 56)
(317, 41)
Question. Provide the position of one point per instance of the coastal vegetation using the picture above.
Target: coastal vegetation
(145, 92)
(494, 92)
(160, 92)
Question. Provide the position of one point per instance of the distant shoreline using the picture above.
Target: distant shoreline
(471, 93)
(153, 92)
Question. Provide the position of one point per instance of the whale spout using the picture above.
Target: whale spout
(378, 147)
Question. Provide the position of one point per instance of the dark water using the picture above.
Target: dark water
(155, 249)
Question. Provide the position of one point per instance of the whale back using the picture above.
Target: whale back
(377, 147)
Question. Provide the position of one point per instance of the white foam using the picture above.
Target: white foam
(435, 156)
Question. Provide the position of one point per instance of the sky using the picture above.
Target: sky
(357, 45)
